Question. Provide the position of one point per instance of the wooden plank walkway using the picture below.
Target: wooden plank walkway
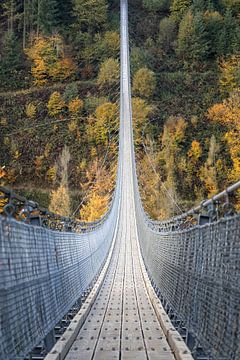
(122, 323)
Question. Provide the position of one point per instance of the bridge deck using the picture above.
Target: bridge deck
(122, 323)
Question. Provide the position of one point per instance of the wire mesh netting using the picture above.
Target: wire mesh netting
(198, 273)
(42, 274)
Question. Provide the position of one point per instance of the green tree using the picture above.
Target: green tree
(193, 42)
(214, 25)
(144, 83)
(139, 58)
(167, 33)
(156, 5)
(90, 15)
(10, 62)
(229, 37)
(109, 73)
(232, 5)
(179, 9)
(111, 44)
(49, 16)
(141, 112)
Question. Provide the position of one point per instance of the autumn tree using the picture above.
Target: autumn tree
(109, 74)
(144, 83)
(179, 9)
(141, 112)
(55, 104)
(60, 200)
(228, 115)
(230, 74)
(75, 106)
(208, 173)
(111, 44)
(99, 185)
(172, 142)
(49, 60)
(104, 123)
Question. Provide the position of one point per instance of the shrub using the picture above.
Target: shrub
(55, 104)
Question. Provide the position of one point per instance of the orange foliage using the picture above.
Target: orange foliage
(49, 61)
(228, 114)
(75, 106)
(195, 152)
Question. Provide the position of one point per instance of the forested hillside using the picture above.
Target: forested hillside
(186, 70)
(59, 75)
(59, 93)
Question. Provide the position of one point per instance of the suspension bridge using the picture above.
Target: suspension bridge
(124, 287)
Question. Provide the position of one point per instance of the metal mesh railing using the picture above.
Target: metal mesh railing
(43, 273)
(197, 272)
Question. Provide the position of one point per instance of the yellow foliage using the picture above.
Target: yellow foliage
(60, 201)
(51, 174)
(31, 110)
(109, 73)
(55, 104)
(16, 155)
(40, 73)
(195, 151)
(72, 126)
(141, 113)
(230, 69)
(228, 114)
(3, 202)
(112, 42)
(38, 163)
(49, 61)
(144, 83)
(75, 106)
(63, 69)
(100, 182)
(3, 122)
(11, 176)
(105, 122)
(174, 130)
(95, 208)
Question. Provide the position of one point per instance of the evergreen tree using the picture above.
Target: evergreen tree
(179, 9)
(193, 42)
(200, 40)
(167, 33)
(202, 5)
(214, 25)
(49, 16)
(10, 62)
(156, 5)
(229, 38)
(90, 15)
